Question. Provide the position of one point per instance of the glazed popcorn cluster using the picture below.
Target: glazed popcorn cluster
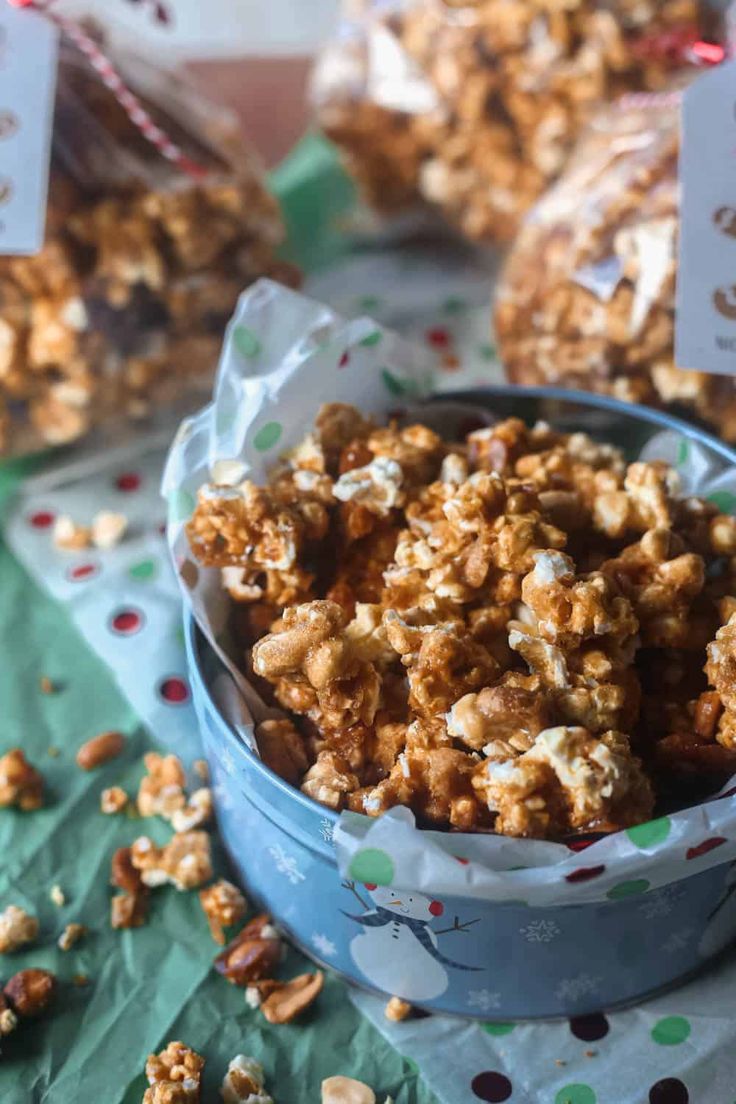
(505, 634)
(472, 105)
(122, 310)
(587, 298)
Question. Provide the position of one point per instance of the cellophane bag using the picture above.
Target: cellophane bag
(121, 314)
(472, 106)
(587, 296)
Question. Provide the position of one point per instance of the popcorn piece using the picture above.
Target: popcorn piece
(57, 895)
(161, 792)
(8, 1018)
(397, 1009)
(377, 486)
(71, 934)
(345, 1090)
(108, 529)
(113, 800)
(174, 1076)
(20, 783)
(69, 536)
(128, 909)
(196, 812)
(282, 749)
(223, 905)
(502, 720)
(17, 927)
(329, 780)
(254, 953)
(243, 1083)
(184, 862)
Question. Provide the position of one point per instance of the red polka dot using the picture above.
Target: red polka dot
(82, 572)
(579, 843)
(460, 859)
(589, 1028)
(174, 690)
(344, 359)
(126, 622)
(491, 1086)
(42, 519)
(704, 847)
(370, 886)
(128, 481)
(436, 908)
(584, 874)
(439, 337)
(669, 1091)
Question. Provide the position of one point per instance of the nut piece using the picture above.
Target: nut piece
(397, 1009)
(128, 909)
(243, 1083)
(223, 905)
(284, 1004)
(253, 954)
(344, 1090)
(71, 934)
(185, 861)
(161, 791)
(113, 800)
(20, 783)
(8, 1018)
(68, 536)
(174, 1076)
(45, 685)
(100, 749)
(108, 529)
(17, 927)
(30, 992)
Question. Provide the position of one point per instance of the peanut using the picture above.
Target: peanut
(100, 749)
(284, 1004)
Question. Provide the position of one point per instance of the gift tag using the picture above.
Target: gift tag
(28, 54)
(705, 323)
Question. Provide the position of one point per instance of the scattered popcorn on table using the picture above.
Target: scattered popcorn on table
(17, 927)
(108, 529)
(243, 1083)
(113, 800)
(161, 792)
(57, 895)
(487, 641)
(71, 934)
(223, 905)
(69, 536)
(8, 1018)
(197, 812)
(184, 862)
(397, 1009)
(20, 783)
(174, 1076)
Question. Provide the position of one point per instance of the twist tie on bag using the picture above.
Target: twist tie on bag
(110, 77)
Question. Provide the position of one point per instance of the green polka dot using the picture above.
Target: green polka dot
(683, 452)
(371, 339)
(487, 351)
(454, 305)
(181, 505)
(576, 1094)
(372, 866)
(246, 342)
(724, 500)
(267, 436)
(498, 1028)
(628, 889)
(651, 833)
(143, 570)
(369, 302)
(671, 1031)
(393, 385)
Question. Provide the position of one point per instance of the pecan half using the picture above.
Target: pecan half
(29, 992)
(253, 954)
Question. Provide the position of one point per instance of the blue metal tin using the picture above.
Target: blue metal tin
(460, 955)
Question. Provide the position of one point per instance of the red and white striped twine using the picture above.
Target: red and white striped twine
(110, 77)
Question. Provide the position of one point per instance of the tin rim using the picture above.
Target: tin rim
(663, 420)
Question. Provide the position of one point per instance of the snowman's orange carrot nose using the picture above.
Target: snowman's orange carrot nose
(396, 902)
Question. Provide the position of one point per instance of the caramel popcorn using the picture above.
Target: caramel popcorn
(531, 658)
(243, 1082)
(223, 905)
(122, 310)
(174, 1076)
(472, 107)
(71, 934)
(113, 800)
(17, 927)
(161, 792)
(196, 812)
(587, 298)
(20, 783)
(184, 862)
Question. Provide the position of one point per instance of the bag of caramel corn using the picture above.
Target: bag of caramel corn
(121, 313)
(472, 106)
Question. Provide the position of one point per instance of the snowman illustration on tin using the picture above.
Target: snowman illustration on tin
(397, 950)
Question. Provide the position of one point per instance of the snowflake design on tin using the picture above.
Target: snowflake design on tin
(660, 903)
(323, 945)
(484, 1000)
(326, 830)
(286, 864)
(228, 762)
(224, 797)
(574, 988)
(678, 941)
(540, 931)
